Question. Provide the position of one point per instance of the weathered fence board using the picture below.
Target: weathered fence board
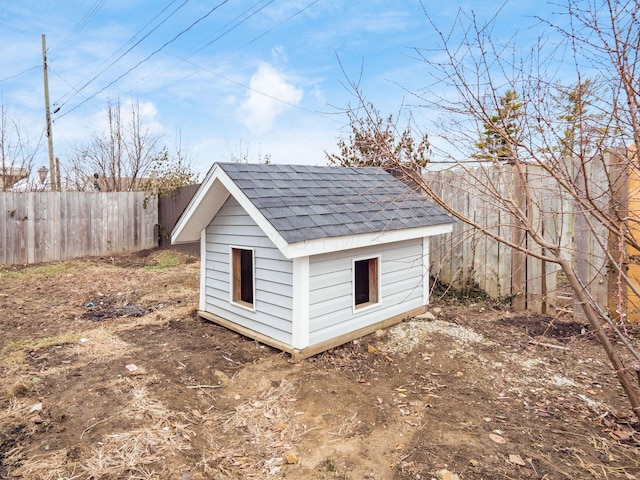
(591, 238)
(468, 258)
(46, 226)
(170, 208)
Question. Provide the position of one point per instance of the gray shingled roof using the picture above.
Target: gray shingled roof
(310, 202)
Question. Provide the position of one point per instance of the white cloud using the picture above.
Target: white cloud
(270, 95)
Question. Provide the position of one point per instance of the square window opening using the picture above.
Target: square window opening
(366, 289)
(243, 277)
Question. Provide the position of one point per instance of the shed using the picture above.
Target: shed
(305, 258)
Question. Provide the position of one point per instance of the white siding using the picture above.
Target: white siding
(273, 300)
(331, 290)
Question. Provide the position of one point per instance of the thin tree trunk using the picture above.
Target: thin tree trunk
(624, 375)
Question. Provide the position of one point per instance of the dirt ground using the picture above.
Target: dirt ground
(107, 373)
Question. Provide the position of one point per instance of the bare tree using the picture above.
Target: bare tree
(119, 157)
(16, 155)
(373, 137)
(169, 172)
(555, 138)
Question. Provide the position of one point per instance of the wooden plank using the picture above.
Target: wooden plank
(457, 249)
(590, 261)
(3, 229)
(535, 267)
(348, 337)
(129, 215)
(518, 258)
(28, 198)
(484, 211)
(246, 331)
(22, 217)
(505, 230)
(150, 219)
(581, 248)
(136, 215)
(438, 242)
(552, 220)
(474, 252)
(12, 254)
(63, 225)
(53, 223)
(103, 227)
(446, 269)
(598, 287)
(80, 223)
(39, 227)
(621, 190)
(493, 282)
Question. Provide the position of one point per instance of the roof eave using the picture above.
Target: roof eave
(208, 199)
(348, 242)
(204, 204)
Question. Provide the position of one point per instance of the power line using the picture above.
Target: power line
(266, 32)
(95, 8)
(18, 74)
(236, 25)
(77, 89)
(320, 114)
(57, 108)
(309, 5)
(83, 22)
(148, 57)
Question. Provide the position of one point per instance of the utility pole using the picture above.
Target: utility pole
(52, 163)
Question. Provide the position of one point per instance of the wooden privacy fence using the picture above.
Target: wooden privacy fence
(46, 226)
(170, 207)
(467, 258)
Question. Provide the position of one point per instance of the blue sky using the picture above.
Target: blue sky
(251, 77)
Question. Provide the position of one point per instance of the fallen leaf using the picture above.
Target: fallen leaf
(447, 475)
(621, 435)
(516, 460)
(497, 438)
(371, 349)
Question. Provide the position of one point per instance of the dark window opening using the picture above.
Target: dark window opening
(242, 265)
(365, 282)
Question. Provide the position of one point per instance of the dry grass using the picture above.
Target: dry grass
(140, 452)
(47, 466)
(256, 434)
(152, 433)
(137, 453)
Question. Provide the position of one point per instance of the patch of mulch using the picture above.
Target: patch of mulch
(544, 326)
(106, 311)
